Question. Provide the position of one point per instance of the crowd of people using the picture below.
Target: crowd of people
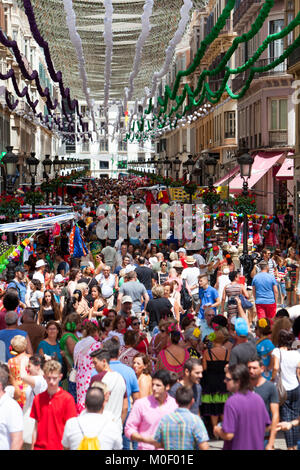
(144, 344)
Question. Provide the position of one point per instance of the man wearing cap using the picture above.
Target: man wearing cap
(244, 349)
(191, 275)
(19, 284)
(136, 291)
(126, 307)
(39, 272)
(265, 292)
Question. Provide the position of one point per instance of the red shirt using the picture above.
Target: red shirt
(51, 414)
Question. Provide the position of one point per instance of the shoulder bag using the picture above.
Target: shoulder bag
(282, 393)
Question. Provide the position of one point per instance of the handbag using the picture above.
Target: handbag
(282, 393)
(246, 304)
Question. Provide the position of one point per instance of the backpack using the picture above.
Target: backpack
(185, 298)
(88, 443)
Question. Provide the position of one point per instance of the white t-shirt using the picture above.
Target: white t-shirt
(191, 277)
(11, 420)
(34, 296)
(39, 387)
(40, 276)
(223, 282)
(117, 387)
(289, 363)
(107, 285)
(93, 424)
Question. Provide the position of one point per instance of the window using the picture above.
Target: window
(276, 47)
(229, 124)
(278, 114)
(103, 165)
(104, 145)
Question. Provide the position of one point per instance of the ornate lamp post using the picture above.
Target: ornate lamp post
(177, 165)
(33, 164)
(47, 163)
(167, 164)
(56, 166)
(210, 163)
(10, 161)
(245, 161)
(188, 165)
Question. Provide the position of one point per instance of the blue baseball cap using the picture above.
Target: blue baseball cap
(241, 327)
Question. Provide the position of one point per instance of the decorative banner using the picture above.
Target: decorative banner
(203, 86)
(108, 39)
(146, 27)
(77, 43)
(184, 18)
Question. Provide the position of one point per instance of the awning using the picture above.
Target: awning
(227, 177)
(286, 171)
(263, 161)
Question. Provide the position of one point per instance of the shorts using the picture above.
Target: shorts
(266, 311)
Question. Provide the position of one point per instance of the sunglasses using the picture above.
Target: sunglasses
(162, 331)
(164, 264)
(135, 324)
(227, 379)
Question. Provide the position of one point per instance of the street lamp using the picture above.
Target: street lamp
(56, 166)
(10, 161)
(159, 166)
(210, 163)
(245, 161)
(47, 164)
(33, 164)
(188, 165)
(177, 165)
(167, 165)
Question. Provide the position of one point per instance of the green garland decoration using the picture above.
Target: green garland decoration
(214, 97)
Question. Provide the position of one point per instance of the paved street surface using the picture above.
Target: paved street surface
(279, 443)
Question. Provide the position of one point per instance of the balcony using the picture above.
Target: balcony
(294, 58)
(278, 137)
(240, 79)
(244, 11)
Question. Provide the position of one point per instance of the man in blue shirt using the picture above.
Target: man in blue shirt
(11, 330)
(19, 284)
(208, 296)
(265, 292)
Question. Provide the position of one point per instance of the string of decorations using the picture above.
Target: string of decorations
(214, 97)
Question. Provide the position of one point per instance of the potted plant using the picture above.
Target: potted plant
(245, 204)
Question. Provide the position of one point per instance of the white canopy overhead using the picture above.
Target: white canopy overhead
(126, 28)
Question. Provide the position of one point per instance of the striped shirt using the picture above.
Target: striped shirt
(181, 430)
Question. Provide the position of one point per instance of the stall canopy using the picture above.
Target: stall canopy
(37, 225)
(229, 175)
(286, 171)
(263, 161)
